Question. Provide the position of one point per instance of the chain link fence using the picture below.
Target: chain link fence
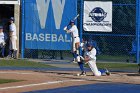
(115, 46)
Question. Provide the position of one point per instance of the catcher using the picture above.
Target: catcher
(90, 59)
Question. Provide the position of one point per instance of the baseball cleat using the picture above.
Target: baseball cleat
(9, 57)
(74, 61)
(82, 74)
(107, 72)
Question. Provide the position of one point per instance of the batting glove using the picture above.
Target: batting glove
(65, 28)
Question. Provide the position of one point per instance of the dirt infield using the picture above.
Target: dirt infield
(38, 80)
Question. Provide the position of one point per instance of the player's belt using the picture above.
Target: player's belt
(76, 36)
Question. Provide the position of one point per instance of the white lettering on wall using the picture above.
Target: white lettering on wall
(58, 9)
(47, 37)
(43, 7)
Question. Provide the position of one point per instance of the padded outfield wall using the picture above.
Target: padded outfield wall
(43, 36)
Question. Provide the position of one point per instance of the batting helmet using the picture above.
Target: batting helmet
(72, 21)
(89, 44)
(12, 18)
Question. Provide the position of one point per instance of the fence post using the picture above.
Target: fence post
(81, 22)
(137, 29)
(23, 28)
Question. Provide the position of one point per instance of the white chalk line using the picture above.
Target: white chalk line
(38, 84)
(14, 73)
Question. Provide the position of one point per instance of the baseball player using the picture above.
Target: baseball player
(90, 58)
(2, 41)
(75, 39)
(13, 38)
(75, 44)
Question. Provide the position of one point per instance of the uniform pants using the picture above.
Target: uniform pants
(13, 43)
(74, 41)
(2, 51)
(93, 67)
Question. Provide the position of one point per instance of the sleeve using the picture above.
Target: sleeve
(93, 54)
(11, 28)
(86, 53)
(82, 44)
(72, 29)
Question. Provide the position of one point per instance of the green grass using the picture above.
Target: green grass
(26, 63)
(119, 58)
(2, 81)
(117, 65)
(22, 63)
(110, 57)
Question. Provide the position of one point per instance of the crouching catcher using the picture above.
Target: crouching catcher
(90, 59)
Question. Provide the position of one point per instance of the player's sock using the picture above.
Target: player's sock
(80, 51)
(15, 54)
(10, 53)
(75, 55)
(105, 72)
(102, 71)
(3, 50)
(81, 65)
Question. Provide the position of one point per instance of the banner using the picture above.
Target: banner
(44, 23)
(10, 2)
(97, 16)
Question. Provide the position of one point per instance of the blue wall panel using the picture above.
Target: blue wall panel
(44, 21)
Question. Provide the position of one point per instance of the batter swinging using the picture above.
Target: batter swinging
(75, 45)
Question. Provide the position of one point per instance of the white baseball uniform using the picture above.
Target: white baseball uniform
(13, 37)
(2, 41)
(83, 46)
(75, 36)
(1, 37)
(92, 62)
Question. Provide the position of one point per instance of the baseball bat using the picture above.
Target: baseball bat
(74, 18)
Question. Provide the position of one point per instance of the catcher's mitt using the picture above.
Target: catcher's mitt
(87, 58)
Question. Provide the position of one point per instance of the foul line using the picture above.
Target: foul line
(46, 83)
(14, 73)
